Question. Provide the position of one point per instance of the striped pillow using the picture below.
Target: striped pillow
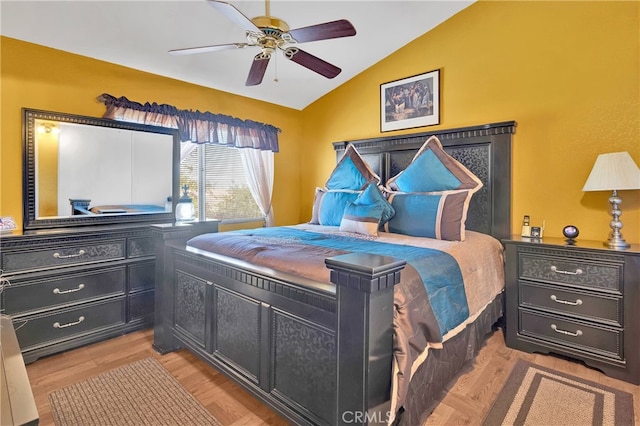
(439, 215)
(362, 218)
(328, 206)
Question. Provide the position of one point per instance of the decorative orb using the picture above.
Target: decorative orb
(571, 232)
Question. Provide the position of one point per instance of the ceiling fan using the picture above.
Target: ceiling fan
(269, 34)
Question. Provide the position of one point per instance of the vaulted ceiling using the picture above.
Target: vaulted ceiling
(139, 34)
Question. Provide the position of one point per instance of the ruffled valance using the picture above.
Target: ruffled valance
(195, 126)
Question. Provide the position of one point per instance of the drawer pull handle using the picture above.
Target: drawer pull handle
(68, 256)
(70, 324)
(568, 333)
(555, 269)
(566, 302)
(72, 290)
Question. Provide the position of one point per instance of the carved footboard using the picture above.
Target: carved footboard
(320, 353)
(316, 353)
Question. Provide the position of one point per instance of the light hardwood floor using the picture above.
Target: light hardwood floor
(466, 402)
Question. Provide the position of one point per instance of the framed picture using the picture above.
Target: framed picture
(410, 102)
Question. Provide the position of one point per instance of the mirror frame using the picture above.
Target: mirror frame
(31, 222)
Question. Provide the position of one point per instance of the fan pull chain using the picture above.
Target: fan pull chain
(275, 67)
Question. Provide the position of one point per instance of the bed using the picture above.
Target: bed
(82, 207)
(337, 336)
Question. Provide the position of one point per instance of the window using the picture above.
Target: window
(218, 184)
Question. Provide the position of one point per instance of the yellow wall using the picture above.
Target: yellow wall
(567, 72)
(37, 77)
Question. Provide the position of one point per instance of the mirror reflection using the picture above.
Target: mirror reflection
(87, 171)
(92, 170)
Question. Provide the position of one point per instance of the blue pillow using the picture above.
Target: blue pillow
(329, 205)
(371, 195)
(432, 169)
(362, 218)
(351, 172)
(439, 215)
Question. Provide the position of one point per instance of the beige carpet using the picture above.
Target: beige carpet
(535, 395)
(141, 393)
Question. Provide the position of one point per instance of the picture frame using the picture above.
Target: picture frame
(410, 102)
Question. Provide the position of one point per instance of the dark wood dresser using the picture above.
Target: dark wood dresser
(580, 301)
(73, 286)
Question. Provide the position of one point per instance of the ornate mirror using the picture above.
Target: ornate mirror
(90, 171)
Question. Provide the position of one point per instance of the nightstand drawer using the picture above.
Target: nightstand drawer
(601, 340)
(571, 271)
(566, 301)
(42, 330)
(50, 292)
(62, 255)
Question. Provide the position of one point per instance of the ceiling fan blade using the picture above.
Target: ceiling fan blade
(333, 29)
(234, 15)
(258, 68)
(204, 49)
(312, 62)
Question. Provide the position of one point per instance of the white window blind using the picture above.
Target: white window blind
(217, 183)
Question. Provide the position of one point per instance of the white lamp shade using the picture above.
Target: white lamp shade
(613, 171)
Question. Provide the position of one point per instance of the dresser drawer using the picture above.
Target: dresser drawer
(42, 330)
(141, 306)
(565, 301)
(142, 276)
(140, 246)
(575, 334)
(62, 255)
(53, 291)
(605, 276)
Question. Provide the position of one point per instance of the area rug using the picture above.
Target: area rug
(535, 395)
(141, 393)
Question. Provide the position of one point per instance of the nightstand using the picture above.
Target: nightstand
(581, 301)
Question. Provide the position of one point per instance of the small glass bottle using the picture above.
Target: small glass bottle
(526, 229)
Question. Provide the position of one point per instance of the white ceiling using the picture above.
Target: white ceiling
(138, 34)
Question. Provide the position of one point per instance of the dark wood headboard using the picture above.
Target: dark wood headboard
(484, 149)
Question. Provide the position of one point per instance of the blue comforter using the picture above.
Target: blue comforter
(439, 271)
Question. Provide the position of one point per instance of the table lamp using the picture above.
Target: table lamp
(614, 172)
(185, 210)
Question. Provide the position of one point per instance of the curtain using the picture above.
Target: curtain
(195, 126)
(185, 149)
(258, 140)
(258, 166)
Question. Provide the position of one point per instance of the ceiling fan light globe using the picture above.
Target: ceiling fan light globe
(287, 39)
(290, 51)
(265, 54)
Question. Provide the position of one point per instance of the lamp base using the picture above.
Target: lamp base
(615, 240)
(616, 244)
